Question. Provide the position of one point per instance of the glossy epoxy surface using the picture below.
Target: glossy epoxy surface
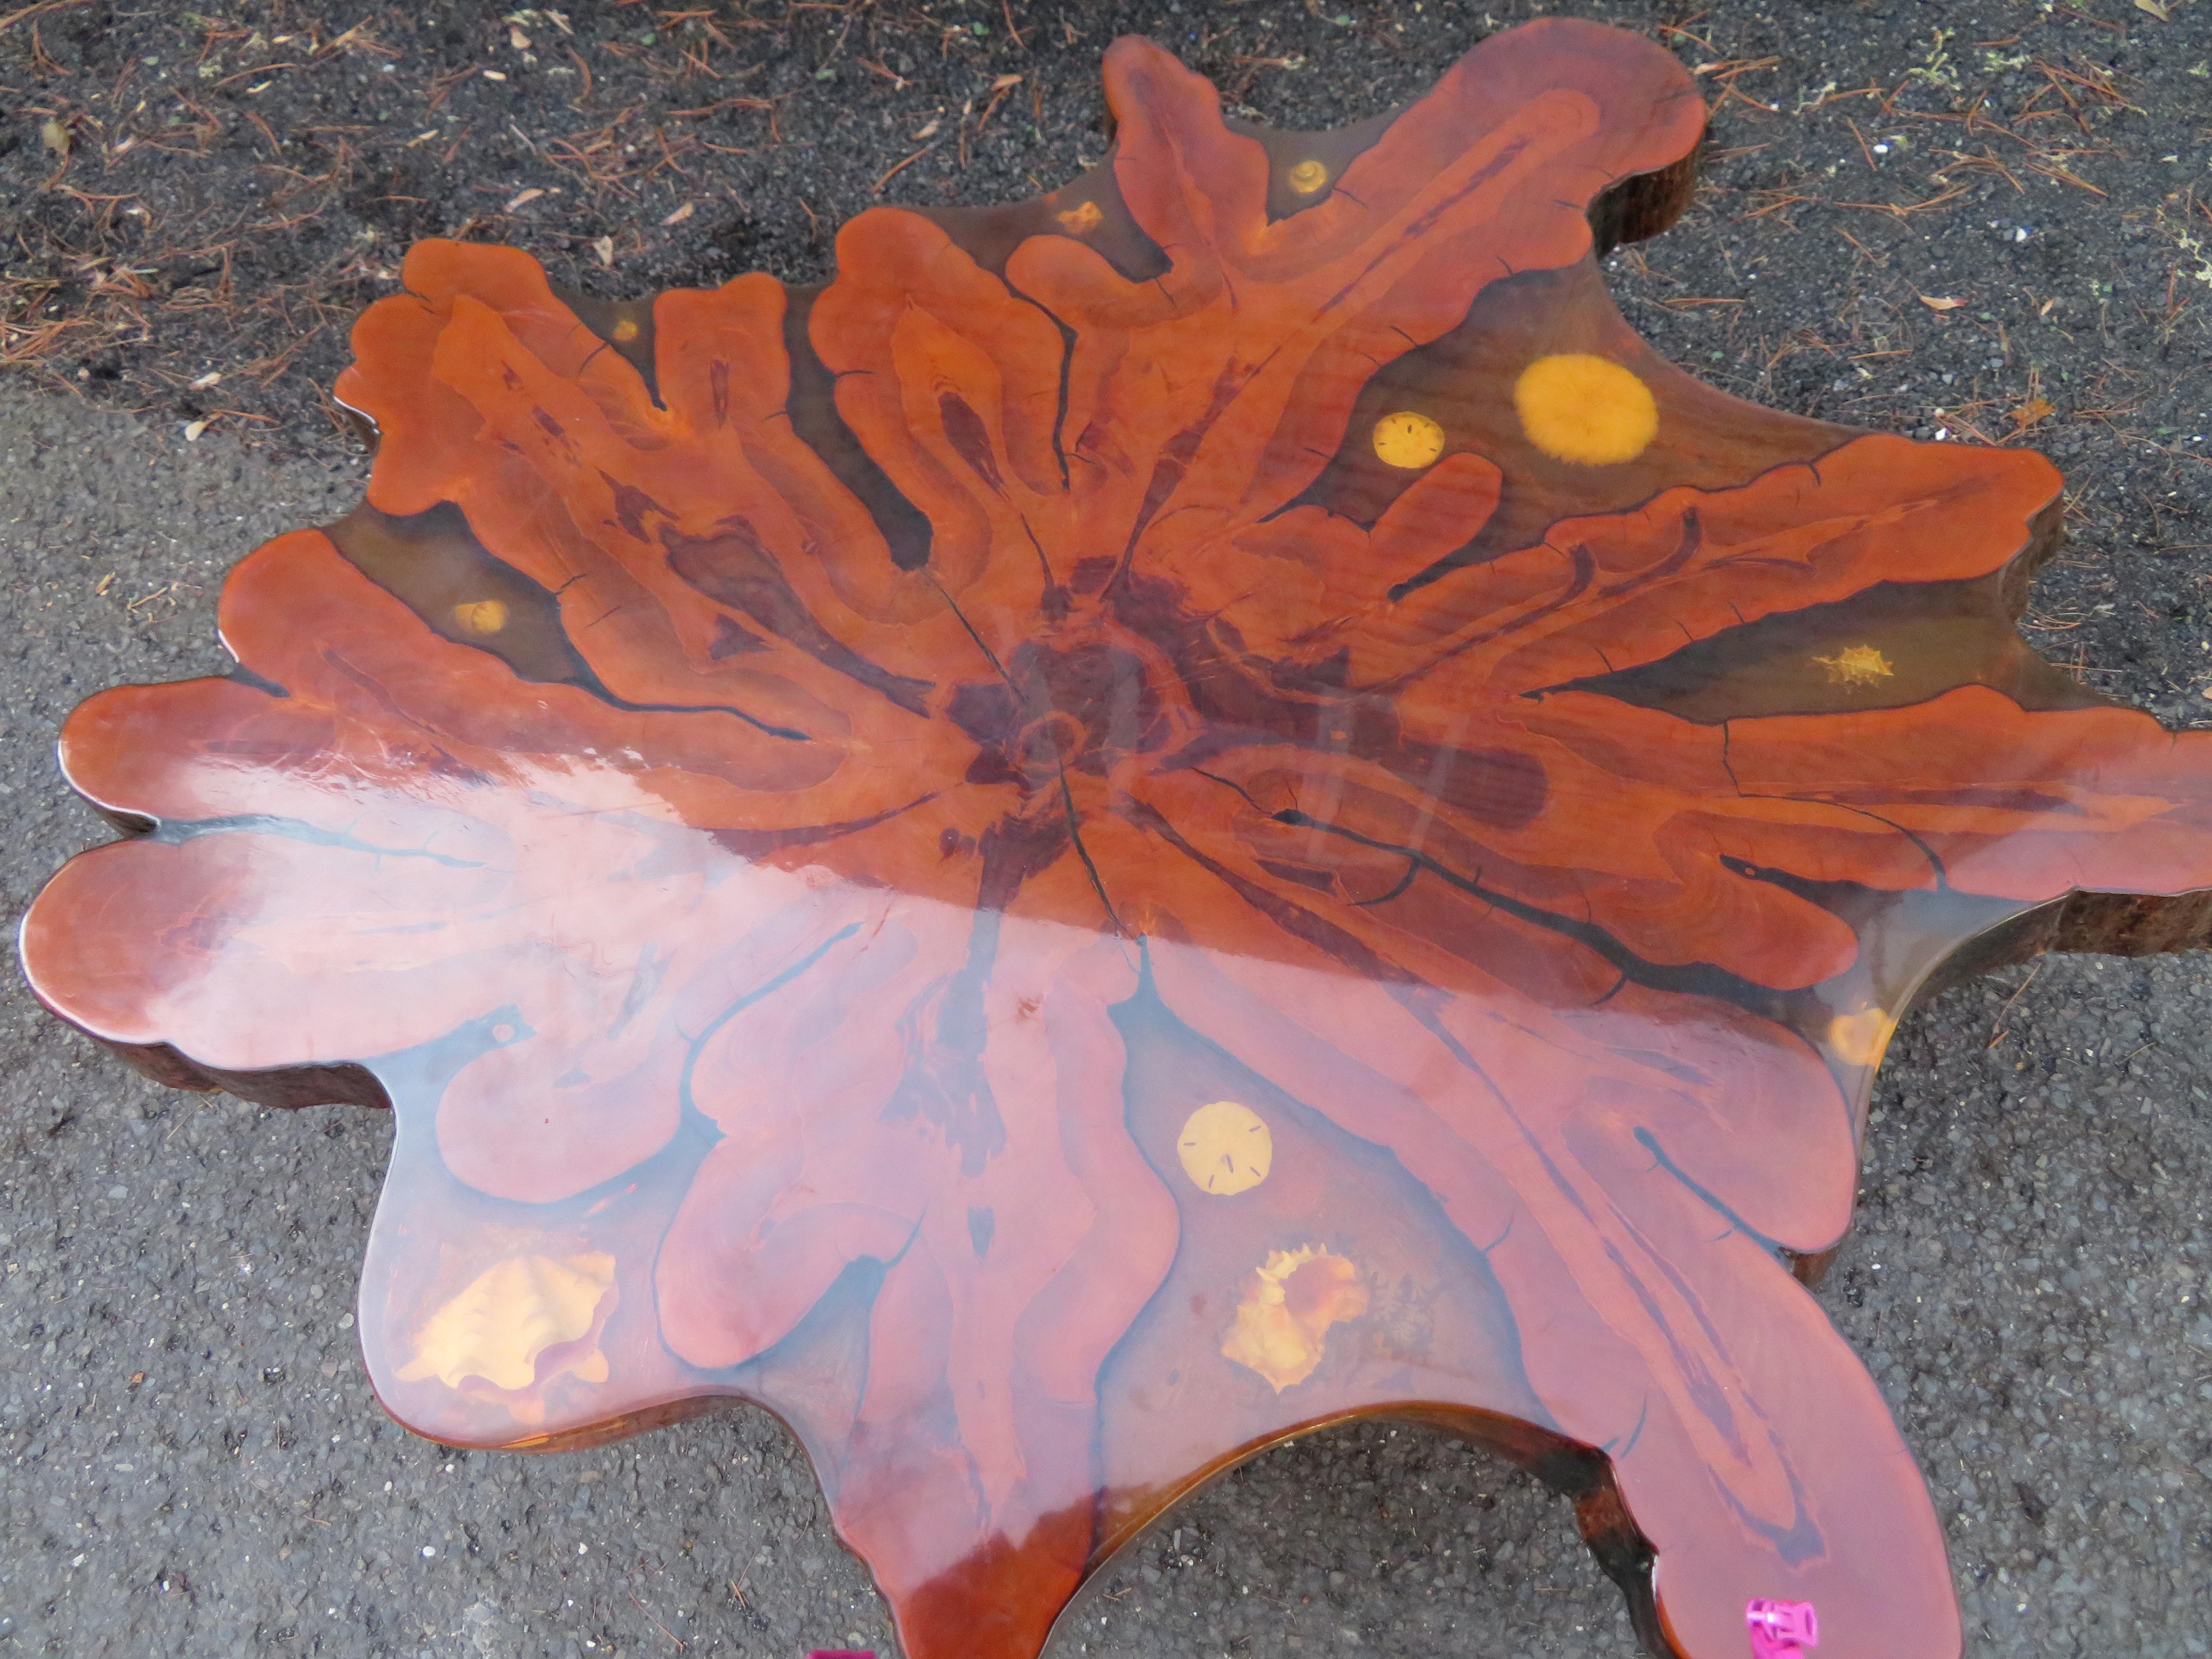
(1162, 816)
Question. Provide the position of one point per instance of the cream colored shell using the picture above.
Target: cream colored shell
(510, 1314)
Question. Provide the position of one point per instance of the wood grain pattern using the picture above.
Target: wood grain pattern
(1160, 816)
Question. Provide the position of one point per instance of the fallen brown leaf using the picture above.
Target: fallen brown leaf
(1936, 304)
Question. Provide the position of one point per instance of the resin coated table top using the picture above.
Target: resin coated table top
(1160, 816)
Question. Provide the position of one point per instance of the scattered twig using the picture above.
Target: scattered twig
(38, 11)
(677, 1641)
(897, 168)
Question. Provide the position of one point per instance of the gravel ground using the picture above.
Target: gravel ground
(191, 1463)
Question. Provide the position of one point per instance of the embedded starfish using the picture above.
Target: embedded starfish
(1158, 818)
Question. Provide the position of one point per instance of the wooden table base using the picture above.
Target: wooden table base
(1162, 816)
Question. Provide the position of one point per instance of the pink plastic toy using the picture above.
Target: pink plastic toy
(1781, 1629)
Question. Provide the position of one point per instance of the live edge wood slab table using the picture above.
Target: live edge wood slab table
(1160, 816)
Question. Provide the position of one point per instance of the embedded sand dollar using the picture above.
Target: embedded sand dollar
(1408, 439)
(481, 617)
(1307, 177)
(1226, 1148)
(1577, 407)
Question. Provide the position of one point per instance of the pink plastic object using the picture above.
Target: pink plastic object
(1781, 1629)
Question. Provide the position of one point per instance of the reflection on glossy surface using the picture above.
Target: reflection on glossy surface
(1162, 816)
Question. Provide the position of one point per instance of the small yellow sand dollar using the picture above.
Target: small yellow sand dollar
(1226, 1148)
(1307, 177)
(509, 1315)
(1576, 407)
(483, 616)
(625, 330)
(1408, 439)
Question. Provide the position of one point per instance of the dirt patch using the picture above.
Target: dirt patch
(1983, 221)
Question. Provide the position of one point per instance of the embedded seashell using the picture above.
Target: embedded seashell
(1282, 1324)
(510, 1314)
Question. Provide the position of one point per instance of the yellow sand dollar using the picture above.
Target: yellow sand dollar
(1226, 1148)
(1576, 407)
(511, 1313)
(1408, 439)
(481, 616)
(1307, 177)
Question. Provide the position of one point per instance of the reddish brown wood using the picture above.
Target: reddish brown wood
(1164, 816)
